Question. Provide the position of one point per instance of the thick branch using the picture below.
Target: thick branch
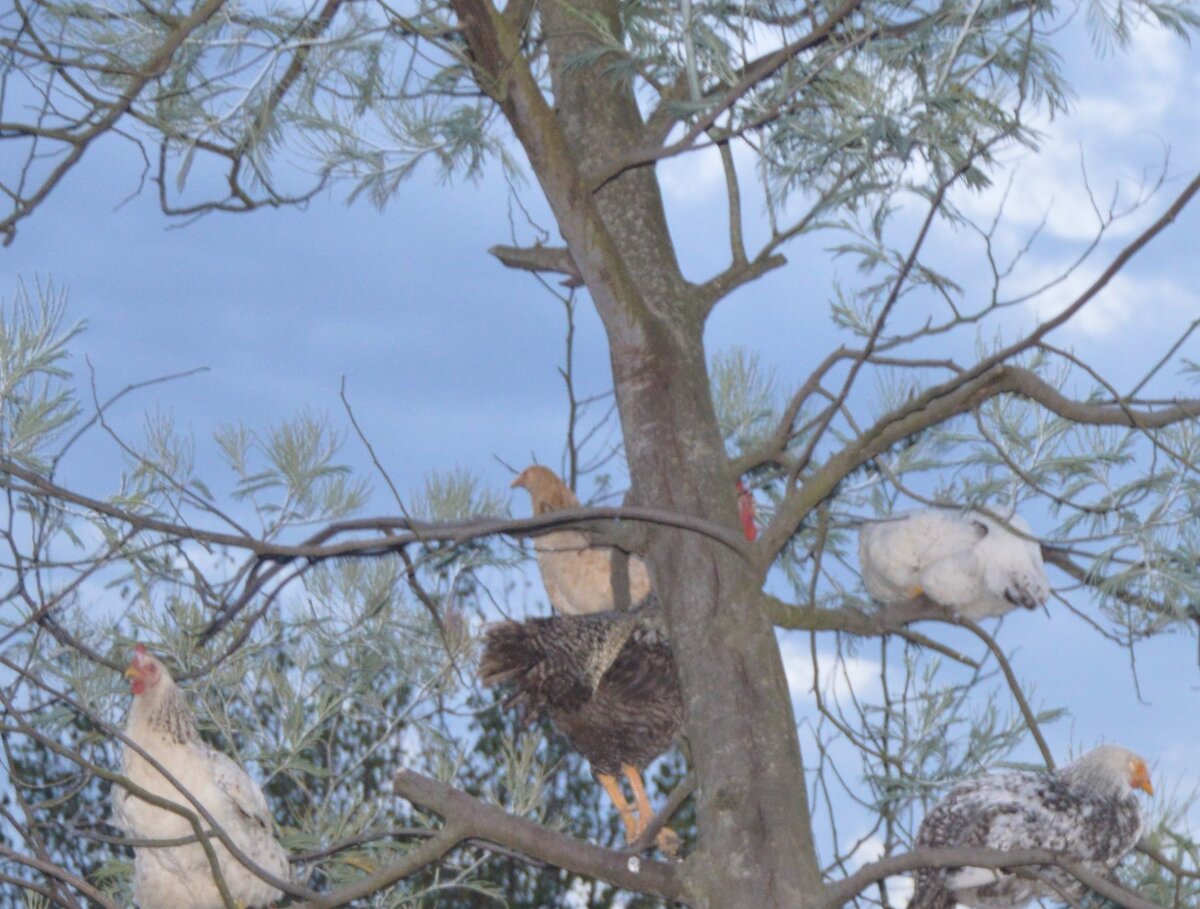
(843, 891)
(892, 618)
(740, 272)
(942, 402)
(504, 74)
(479, 820)
(1112, 413)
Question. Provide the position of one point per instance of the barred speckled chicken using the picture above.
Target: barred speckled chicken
(1086, 811)
(607, 680)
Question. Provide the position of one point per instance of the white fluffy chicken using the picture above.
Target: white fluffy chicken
(964, 561)
(180, 877)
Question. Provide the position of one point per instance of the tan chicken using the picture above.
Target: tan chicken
(180, 877)
(577, 575)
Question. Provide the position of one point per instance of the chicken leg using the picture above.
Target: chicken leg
(613, 788)
(667, 839)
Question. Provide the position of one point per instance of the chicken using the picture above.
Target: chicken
(576, 574)
(608, 679)
(608, 682)
(1087, 812)
(180, 877)
(965, 561)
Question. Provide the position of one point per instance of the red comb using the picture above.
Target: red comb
(746, 511)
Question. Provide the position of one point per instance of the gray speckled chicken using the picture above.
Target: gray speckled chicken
(1087, 811)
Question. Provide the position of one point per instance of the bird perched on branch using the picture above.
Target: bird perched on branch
(1086, 812)
(608, 682)
(181, 877)
(965, 561)
(577, 574)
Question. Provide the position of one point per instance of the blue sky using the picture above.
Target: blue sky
(450, 359)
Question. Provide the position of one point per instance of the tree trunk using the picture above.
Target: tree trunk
(755, 839)
(756, 845)
(756, 842)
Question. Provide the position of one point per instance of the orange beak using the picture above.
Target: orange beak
(1139, 778)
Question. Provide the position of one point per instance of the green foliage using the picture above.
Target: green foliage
(900, 96)
(36, 399)
(328, 677)
(325, 675)
(745, 397)
(298, 469)
(457, 495)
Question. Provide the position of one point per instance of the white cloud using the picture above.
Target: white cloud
(1080, 175)
(1155, 65)
(1110, 146)
(839, 676)
(1125, 301)
(699, 176)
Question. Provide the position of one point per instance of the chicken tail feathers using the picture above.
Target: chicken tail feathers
(509, 652)
(521, 654)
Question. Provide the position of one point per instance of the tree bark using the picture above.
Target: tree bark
(755, 840)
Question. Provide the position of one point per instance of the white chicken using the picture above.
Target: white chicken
(180, 877)
(964, 561)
